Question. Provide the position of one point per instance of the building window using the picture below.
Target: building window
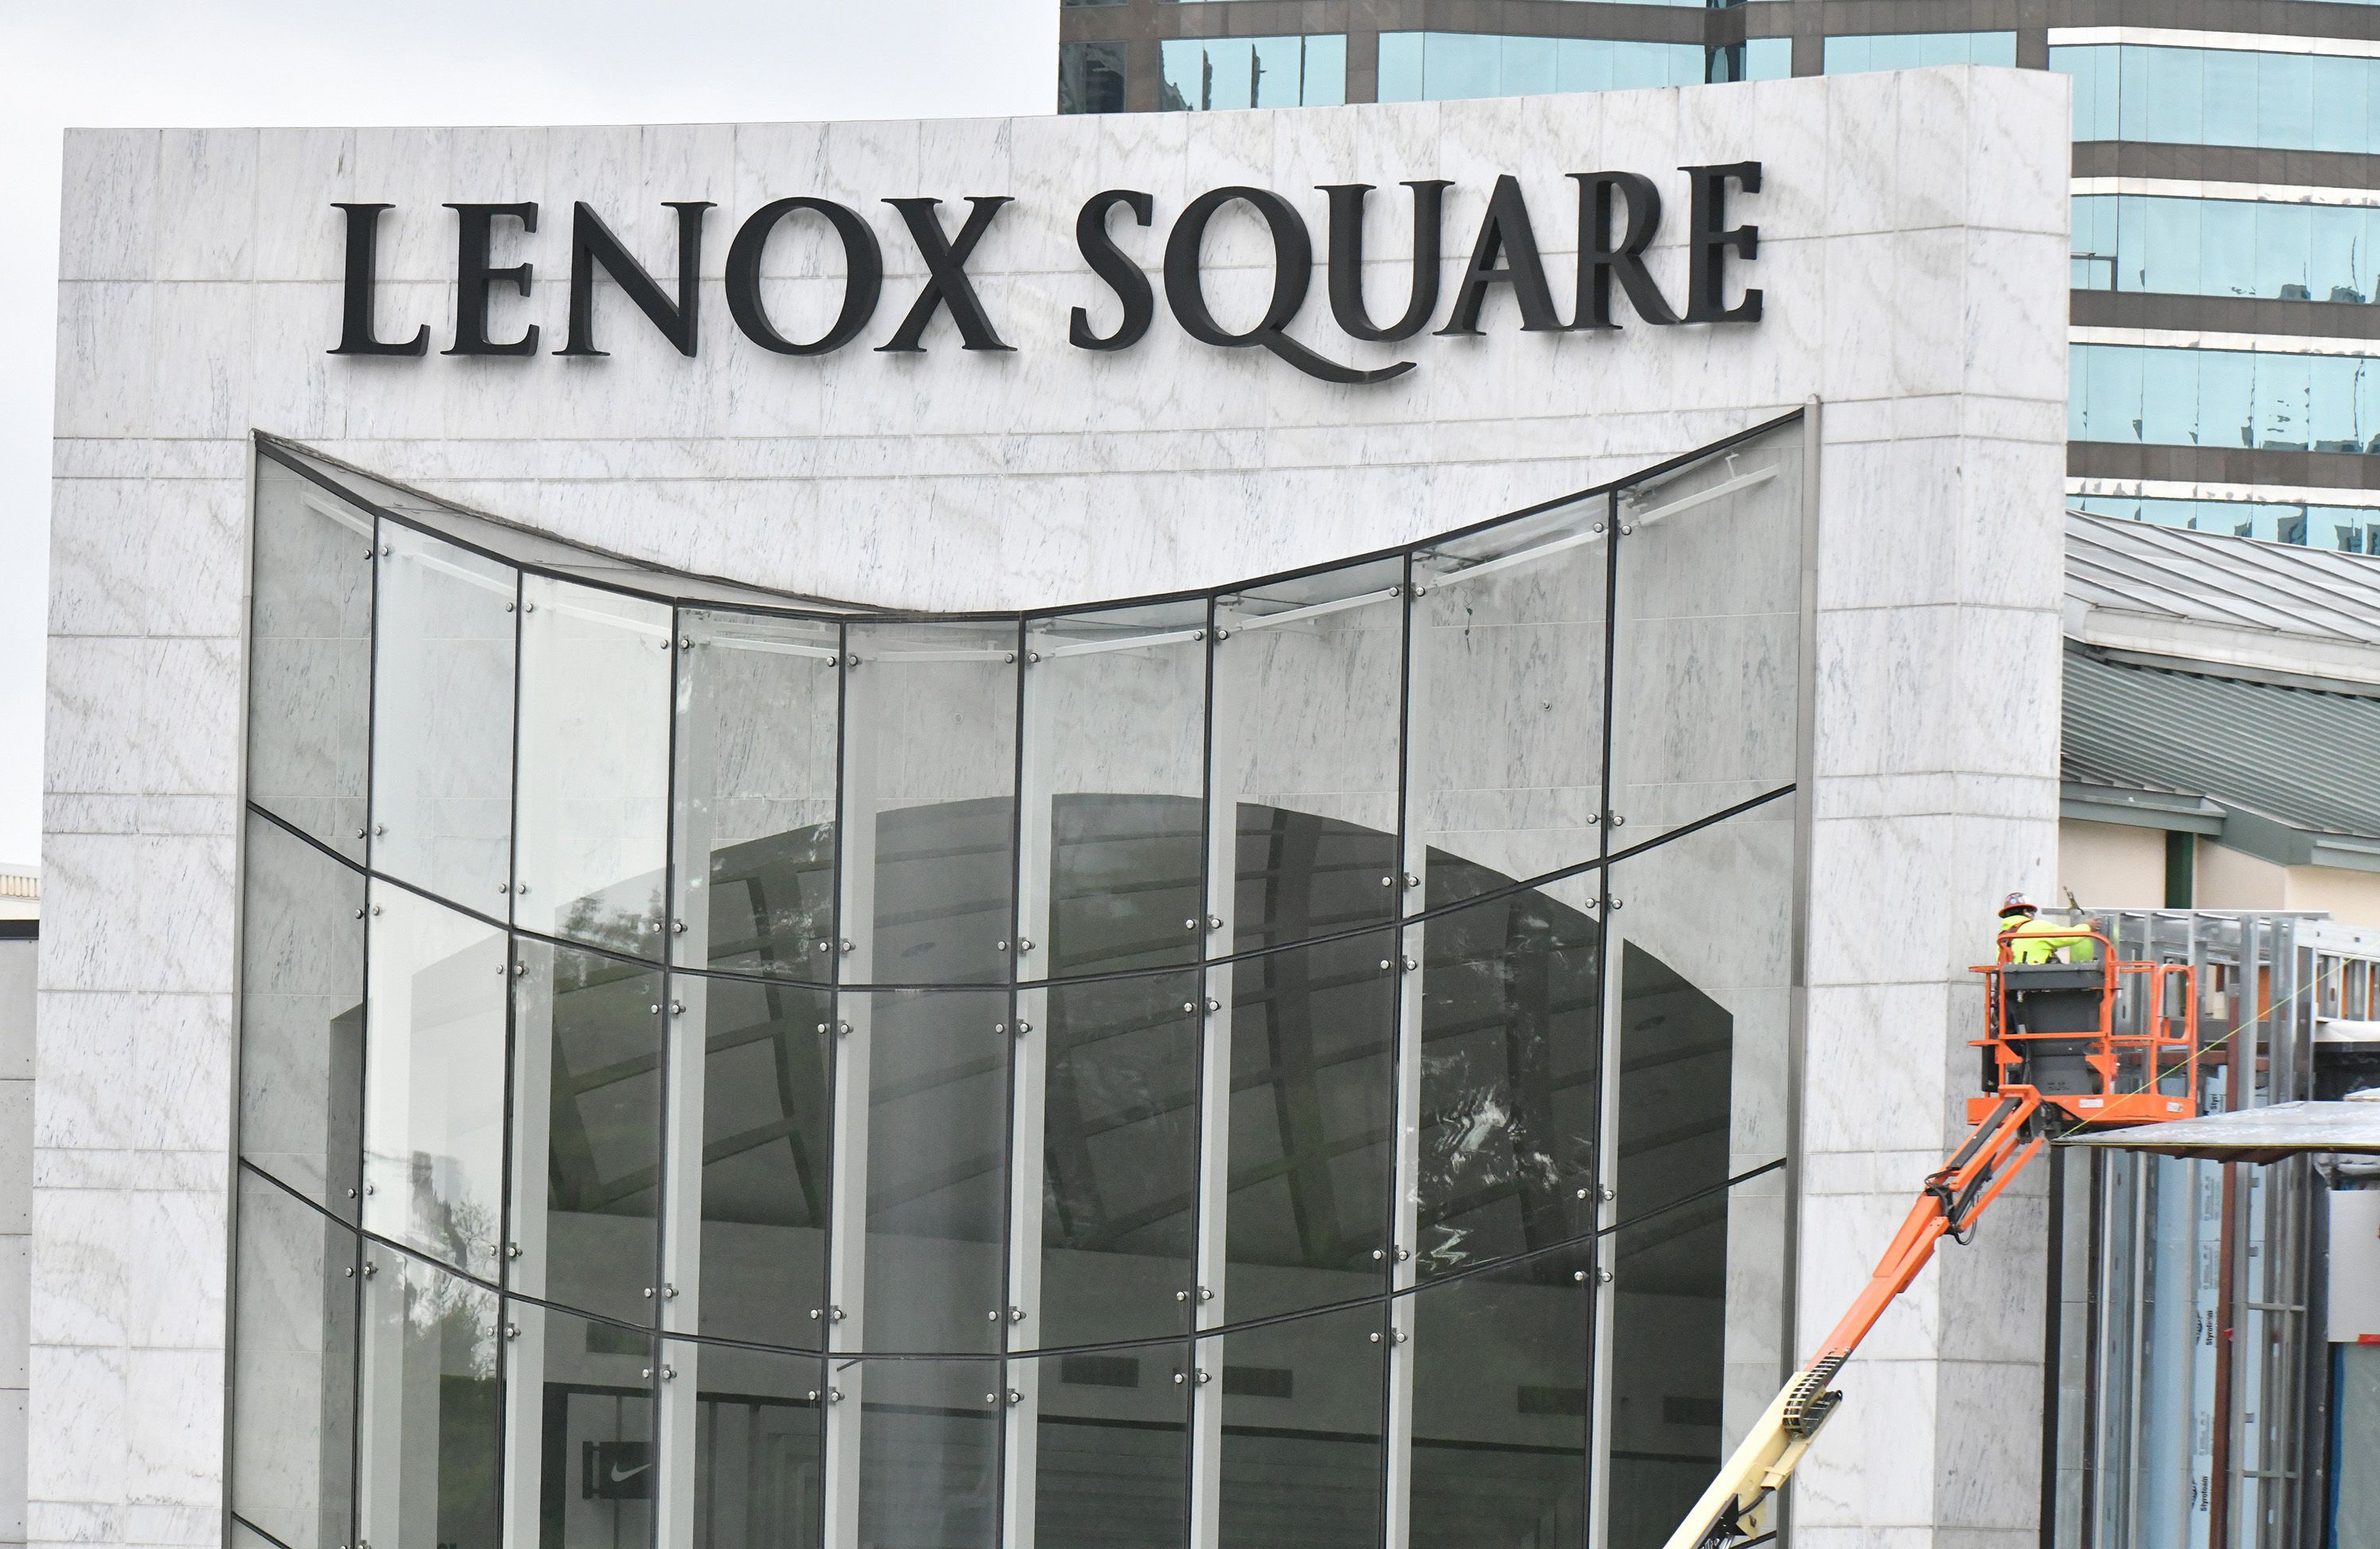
(2212, 96)
(1908, 51)
(1078, 1065)
(2174, 396)
(1090, 77)
(1441, 66)
(1753, 59)
(2347, 528)
(2226, 247)
(1206, 73)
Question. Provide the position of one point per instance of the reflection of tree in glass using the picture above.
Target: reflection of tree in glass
(607, 919)
(457, 1316)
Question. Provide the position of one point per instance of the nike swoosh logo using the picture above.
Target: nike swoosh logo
(620, 1475)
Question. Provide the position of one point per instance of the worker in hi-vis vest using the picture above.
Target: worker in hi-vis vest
(2042, 940)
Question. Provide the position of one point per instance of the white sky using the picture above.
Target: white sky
(243, 62)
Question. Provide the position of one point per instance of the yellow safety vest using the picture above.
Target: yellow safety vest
(2040, 941)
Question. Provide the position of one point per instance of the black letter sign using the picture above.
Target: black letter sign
(1292, 271)
(473, 275)
(363, 258)
(946, 269)
(1107, 260)
(1346, 264)
(591, 243)
(1506, 231)
(863, 263)
(1599, 258)
(1707, 245)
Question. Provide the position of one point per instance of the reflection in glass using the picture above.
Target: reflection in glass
(1111, 1449)
(1510, 1047)
(429, 1421)
(434, 1081)
(1501, 1374)
(1118, 1230)
(1292, 71)
(757, 1467)
(1669, 1326)
(1313, 1089)
(1305, 1419)
(937, 1064)
(930, 761)
(1115, 707)
(293, 1398)
(929, 1454)
(767, 1157)
(757, 712)
(596, 1460)
(594, 766)
(301, 1043)
(309, 658)
(586, 1142)
(1306, 710)
(443, 718)
(1508, 665)
(1707, 681)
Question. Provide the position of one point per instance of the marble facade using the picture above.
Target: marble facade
(1912, 256)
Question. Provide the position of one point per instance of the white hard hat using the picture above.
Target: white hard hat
(2015, 901)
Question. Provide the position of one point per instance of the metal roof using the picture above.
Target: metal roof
(2215, 579)
(2251, 1134)
(2304, 759)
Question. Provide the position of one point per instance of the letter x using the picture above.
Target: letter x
(946, 266)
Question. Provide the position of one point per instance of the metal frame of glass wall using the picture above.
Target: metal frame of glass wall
(1311, 1061)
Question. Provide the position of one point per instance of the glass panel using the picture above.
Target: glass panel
(1707, 684)
(1120, 1155)
(1501, 1373)
(594, 766)
(758, 712)
(1702, 940)
(1313, 1084)
(587, 1135)
(930, 1453)
(309, 658)
(434, 1081)
(1306, 692)
(443, 719)
(302, 1016)
(935, 1065)
(767, 1157)
(1510, 1049)
(429, 1422)
(930, 730)
(1111, 1449)
(1116, 772)
(1508, 667)
(1304, 1457)
(594, 1468)
(1091, 75)
(293, 1382)
(758, 1469)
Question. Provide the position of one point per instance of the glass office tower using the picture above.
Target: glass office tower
(2225, 343)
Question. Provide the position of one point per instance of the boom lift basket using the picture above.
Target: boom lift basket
(2103, 1041)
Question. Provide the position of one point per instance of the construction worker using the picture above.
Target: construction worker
(2033, 940)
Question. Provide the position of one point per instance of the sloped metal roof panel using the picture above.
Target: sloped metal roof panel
(2251, 1134)
(2209, 578)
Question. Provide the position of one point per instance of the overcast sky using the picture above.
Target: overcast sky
(243, 62)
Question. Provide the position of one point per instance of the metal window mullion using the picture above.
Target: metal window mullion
(1028, 1092)
(842, 1322)
(526, 1249)
(1206, 1363)
(1404, 1228)
(693, 761)
(1607, 1127)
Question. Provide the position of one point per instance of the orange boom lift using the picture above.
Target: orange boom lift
(2098, 1044)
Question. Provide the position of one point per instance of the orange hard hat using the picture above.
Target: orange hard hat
(2016, 901)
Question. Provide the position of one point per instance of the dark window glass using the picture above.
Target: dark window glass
(593, 1476)
(934, 1065)
(1501, 1374)
(766, 1156)
(928, 1452)
(292, 1389)
(430, 1417)
(309, 658)
(1311, 1145)
(1121, 1121)
(1305, 1419)
(1670, 1328)
(1090, 75)
(587, 1135)
(758, 1471)
(758, 706)
(1112, 1449)
(302, 1016)
(1511, 1044)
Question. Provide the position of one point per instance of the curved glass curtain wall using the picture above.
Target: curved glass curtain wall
(1302, 1065)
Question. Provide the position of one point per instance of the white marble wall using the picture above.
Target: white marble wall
(1914, 261)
